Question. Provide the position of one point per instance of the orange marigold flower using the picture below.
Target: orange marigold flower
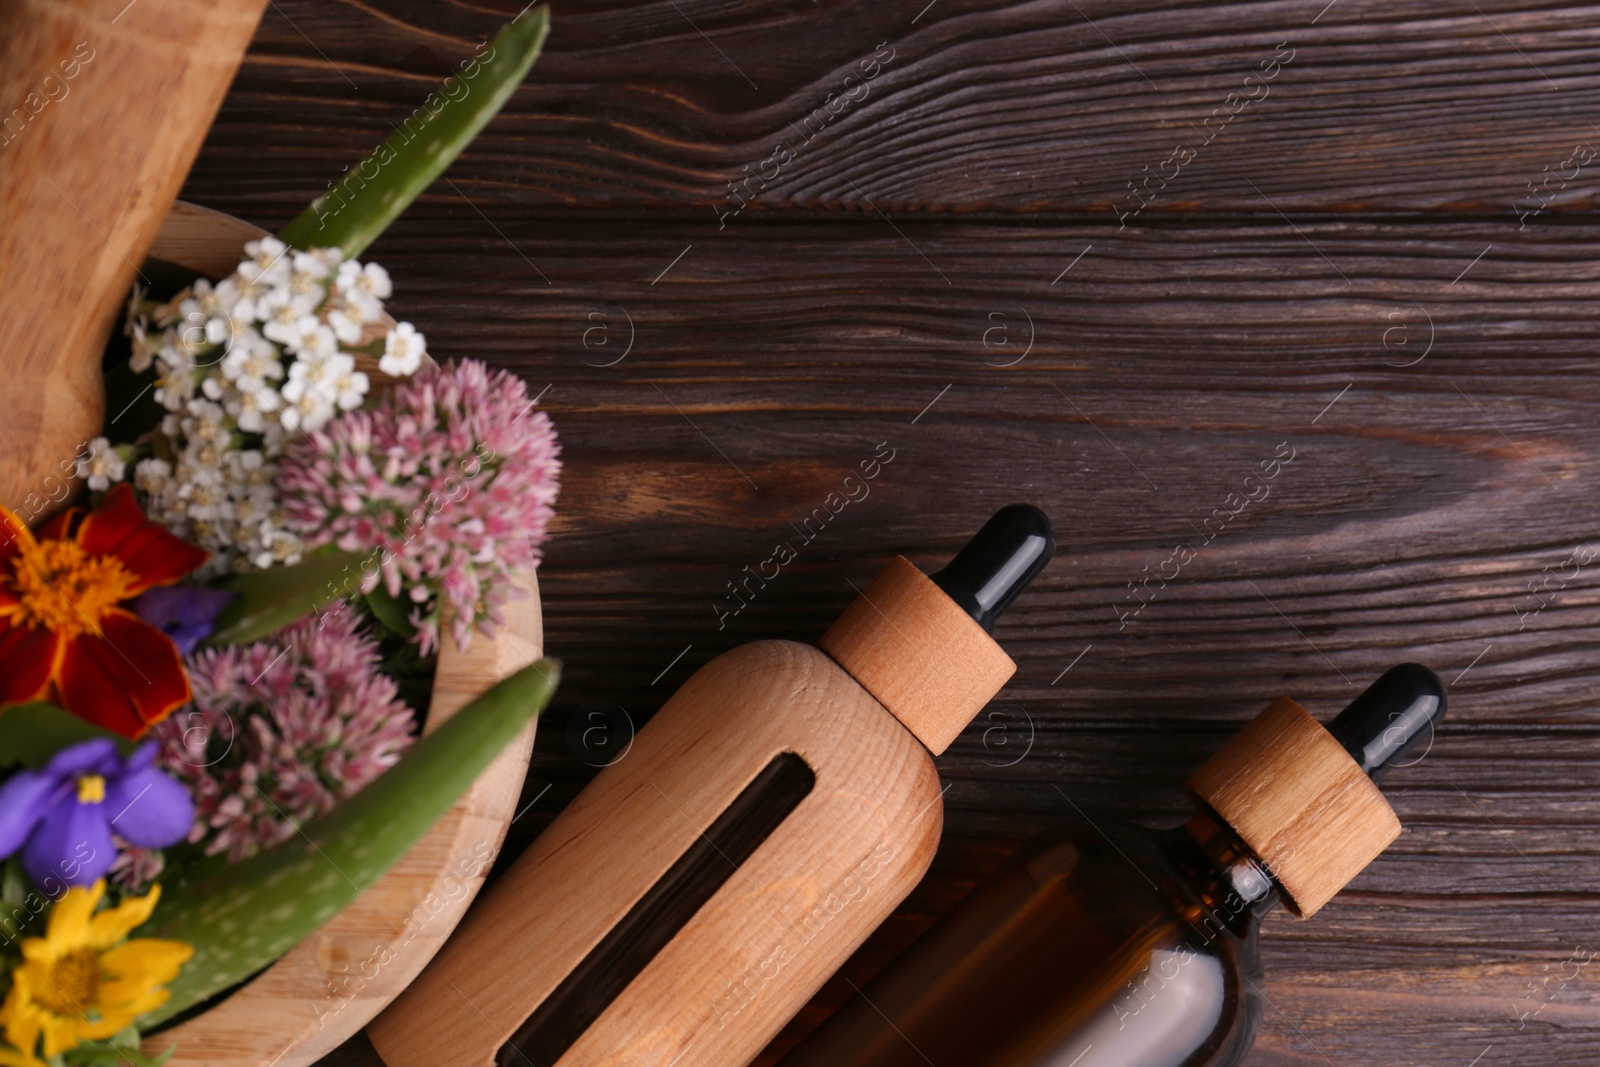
(64, 623)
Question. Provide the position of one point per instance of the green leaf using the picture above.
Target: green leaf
(31, 733)
(269, 600)
(251, 913)
(119, 1050)
(388, 610)
(22, 904)
(14, 889)
(352, 214)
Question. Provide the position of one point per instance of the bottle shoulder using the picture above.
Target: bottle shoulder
(783, 696)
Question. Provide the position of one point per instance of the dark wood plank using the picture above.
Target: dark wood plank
(1342, 270)
(1421, 503)
(976, 106)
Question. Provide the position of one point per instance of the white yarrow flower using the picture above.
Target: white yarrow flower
(320, 343)
(152, 476)
(207, 422)
(287, 318)
(101, 466)
(364, 288)
(269, 262)
(144, 349)
(346, 327)
(350, 387)
(316, 375)
(174, 384)
(278, 546)
(252, 364)
(330, 257)
(306, 409)
(210, 301)
(240, 365)
(311, 265)
(249, 403)
(403, 350)
(240, 296)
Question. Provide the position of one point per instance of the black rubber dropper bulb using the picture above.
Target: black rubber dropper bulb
(999, 562)
(1394, 717)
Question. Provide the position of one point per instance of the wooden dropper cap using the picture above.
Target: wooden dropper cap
(1305, 799)
(921, 645)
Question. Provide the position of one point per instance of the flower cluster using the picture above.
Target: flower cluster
(281, 730)
(138, 619)
(447, 484)
(241, 365)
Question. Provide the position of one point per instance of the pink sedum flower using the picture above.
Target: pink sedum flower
(135, 868)
(447, 484)
(281, 730)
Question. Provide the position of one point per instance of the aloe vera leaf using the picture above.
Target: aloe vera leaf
(269, 600)
(251, 913)
(362, 204)
(119, 1051)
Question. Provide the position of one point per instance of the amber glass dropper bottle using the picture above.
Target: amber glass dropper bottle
(1106, 945)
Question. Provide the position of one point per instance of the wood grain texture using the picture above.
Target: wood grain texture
(914, 649)
(209, 243)
(100, 117)
(1293, 794)
(763, 943)
(1429, 362)
(1409, 525)
(1012, 107)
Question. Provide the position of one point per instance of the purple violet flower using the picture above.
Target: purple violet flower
(185, 613)
(61, 817)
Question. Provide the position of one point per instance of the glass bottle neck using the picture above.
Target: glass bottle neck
(1234, 886)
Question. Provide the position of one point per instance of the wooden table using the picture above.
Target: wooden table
(1104, 258)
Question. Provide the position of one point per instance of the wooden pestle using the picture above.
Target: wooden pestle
(103, 106)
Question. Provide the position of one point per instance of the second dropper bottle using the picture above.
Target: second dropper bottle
(1101, 944)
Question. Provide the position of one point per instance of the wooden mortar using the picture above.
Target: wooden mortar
(105, 104)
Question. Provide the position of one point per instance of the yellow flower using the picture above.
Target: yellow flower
(13, 1058)
(84, 981)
